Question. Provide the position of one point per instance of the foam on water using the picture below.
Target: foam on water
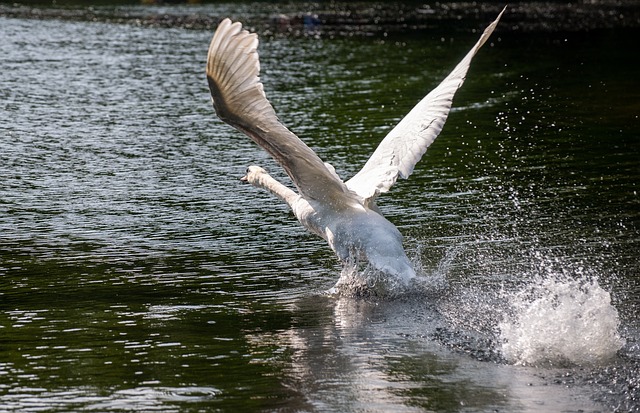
(560, 321)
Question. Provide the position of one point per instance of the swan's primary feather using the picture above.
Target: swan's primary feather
(238, 97)
(403, 147)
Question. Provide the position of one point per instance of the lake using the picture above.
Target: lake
(139, 274)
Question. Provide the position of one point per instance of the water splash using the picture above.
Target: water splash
(560, 321)
(560, 317)
(359, 280)
(364, 281)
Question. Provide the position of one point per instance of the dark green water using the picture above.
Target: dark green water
(138, 274)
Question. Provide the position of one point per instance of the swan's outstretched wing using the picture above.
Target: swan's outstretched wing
(239, 100)
(403, 147)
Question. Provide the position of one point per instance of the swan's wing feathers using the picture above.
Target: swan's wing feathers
(232, 72)
(403, 147)
(238, 96)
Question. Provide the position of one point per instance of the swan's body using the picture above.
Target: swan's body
(352, 230)
(343, 213)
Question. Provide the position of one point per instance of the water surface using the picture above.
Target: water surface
(138, 274)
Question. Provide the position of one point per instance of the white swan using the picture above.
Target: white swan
(343, 213)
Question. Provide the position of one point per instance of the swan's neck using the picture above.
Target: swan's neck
(266, 181)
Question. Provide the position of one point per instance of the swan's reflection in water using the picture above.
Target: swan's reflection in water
(344, 354)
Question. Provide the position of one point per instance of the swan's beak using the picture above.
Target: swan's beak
(244, 179)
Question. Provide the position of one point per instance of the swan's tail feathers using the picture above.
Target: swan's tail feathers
(403, 147)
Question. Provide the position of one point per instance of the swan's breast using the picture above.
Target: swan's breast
(350, 230)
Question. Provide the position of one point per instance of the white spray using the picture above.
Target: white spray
(559, 321)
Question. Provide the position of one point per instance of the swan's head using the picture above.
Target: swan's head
(253, 174)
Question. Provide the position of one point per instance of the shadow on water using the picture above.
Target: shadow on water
(138, 274)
